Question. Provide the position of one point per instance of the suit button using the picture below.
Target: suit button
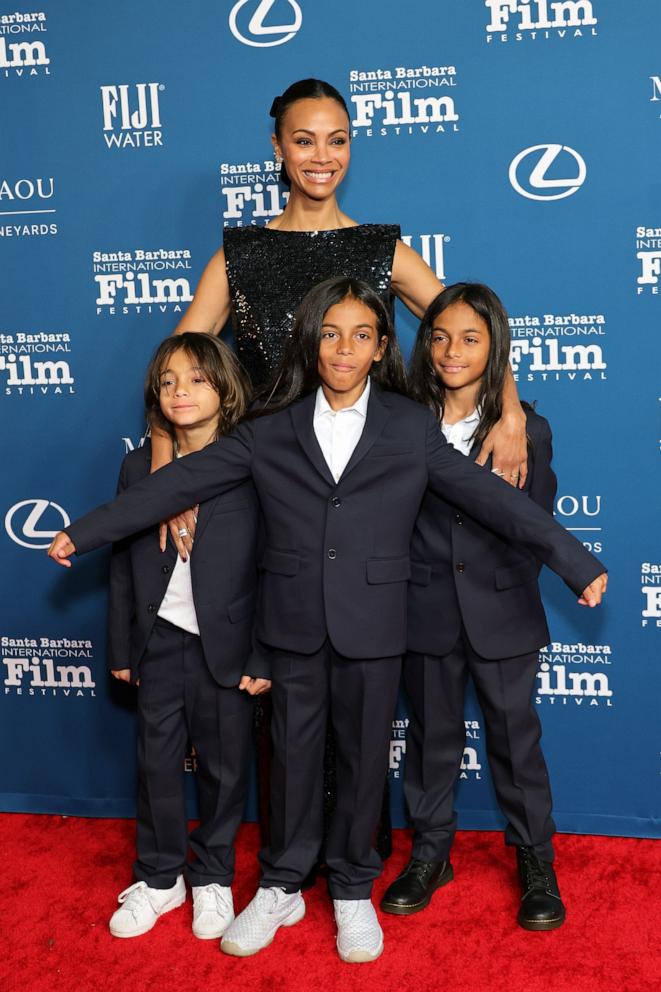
(336, 502)
(165, 569)
(152, 608)
(460, 566)
(332, 553)
(458, 519)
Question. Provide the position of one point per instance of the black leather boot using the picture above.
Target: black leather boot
(412, 890)
(541, 905)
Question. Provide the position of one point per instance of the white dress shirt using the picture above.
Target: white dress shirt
(177, 606)
(460, 435)
(338, 431)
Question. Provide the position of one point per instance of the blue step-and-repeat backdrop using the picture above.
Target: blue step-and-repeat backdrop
(517, 142)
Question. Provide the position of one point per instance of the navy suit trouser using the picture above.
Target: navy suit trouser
(179, 701)
(360, 697)
(437, 736)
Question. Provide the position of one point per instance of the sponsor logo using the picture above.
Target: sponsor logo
(33, 523)
(432, 247)
(470, 766)
(403, 100)
(132, 115)
(47, 666)
(580, 515)
(26, 207)
(648, 245)
(656, 90)
(251, 192)
(397, 745)
(131, 445)
(24, 373)
(141, 281)
(650, 587)
(250, 23)
(19, 55)
(544, 347)
(534, 175)
(523, 20)
(558, 684)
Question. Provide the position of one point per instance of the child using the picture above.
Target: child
(341, 464)
(485, 590)
(181, 630)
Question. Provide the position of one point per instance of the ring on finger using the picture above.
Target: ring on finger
(183, 531)
(496, 471)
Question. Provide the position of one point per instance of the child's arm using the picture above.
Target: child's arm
(216, 469)
(509, 514)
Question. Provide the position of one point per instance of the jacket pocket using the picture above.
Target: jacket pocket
(508, 576)
(420, 573)
(280, 562)
(242, 608)
(393, 450)
(381, 570)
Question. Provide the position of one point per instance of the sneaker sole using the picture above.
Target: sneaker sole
(360, 957)
(215, 935)
(397, 910)
(138, 933)
(236, 951)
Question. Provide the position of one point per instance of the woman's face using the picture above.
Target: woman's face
(314, 146)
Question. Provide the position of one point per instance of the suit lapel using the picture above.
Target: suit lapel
(203, 516)
(302, 416)
(377, 415)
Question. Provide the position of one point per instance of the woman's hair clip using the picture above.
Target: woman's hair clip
(275, 106)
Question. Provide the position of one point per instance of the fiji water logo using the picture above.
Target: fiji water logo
(132, 115)
(521, 20)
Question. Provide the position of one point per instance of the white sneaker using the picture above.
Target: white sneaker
(140, 907)
(256, 926)
(213, 910)
(359, 936)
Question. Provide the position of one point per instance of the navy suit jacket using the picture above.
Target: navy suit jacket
(464, 572)
(337, 562)
(223, 576)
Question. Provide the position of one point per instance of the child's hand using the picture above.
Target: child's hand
(61, 549)
(123, 674)
(254, 687)
(592, 594)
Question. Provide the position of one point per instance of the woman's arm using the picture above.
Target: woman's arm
(413, 282)
(211, 303)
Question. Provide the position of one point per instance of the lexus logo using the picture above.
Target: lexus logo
(256, 29)
(536, 172)
(33, 523)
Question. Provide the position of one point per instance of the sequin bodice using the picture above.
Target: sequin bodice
(270, 272)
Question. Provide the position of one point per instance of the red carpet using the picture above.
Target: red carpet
(60, 879)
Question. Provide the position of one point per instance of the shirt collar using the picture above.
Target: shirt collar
(469, 421)
(322, 405)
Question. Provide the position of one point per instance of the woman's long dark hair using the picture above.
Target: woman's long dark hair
(303, 89)
(298, 373)
(424, 384)
(220, 367)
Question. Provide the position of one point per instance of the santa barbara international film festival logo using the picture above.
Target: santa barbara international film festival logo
(22, 45)
(575, 675)
(132, 115)
(471, 764)
(31, 363)
(142, 281)
(650, 587)
(648, 253)
(256, 23)
(547, 172)
(402, 100)
(554, 347)
(47, 666)
(537, 20)
(27, 207)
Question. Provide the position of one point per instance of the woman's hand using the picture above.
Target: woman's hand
(594, 593)
(254, 687)
(507, 445)
(61, 549)
(182, 530)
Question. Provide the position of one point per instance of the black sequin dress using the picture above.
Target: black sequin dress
(270, 271)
